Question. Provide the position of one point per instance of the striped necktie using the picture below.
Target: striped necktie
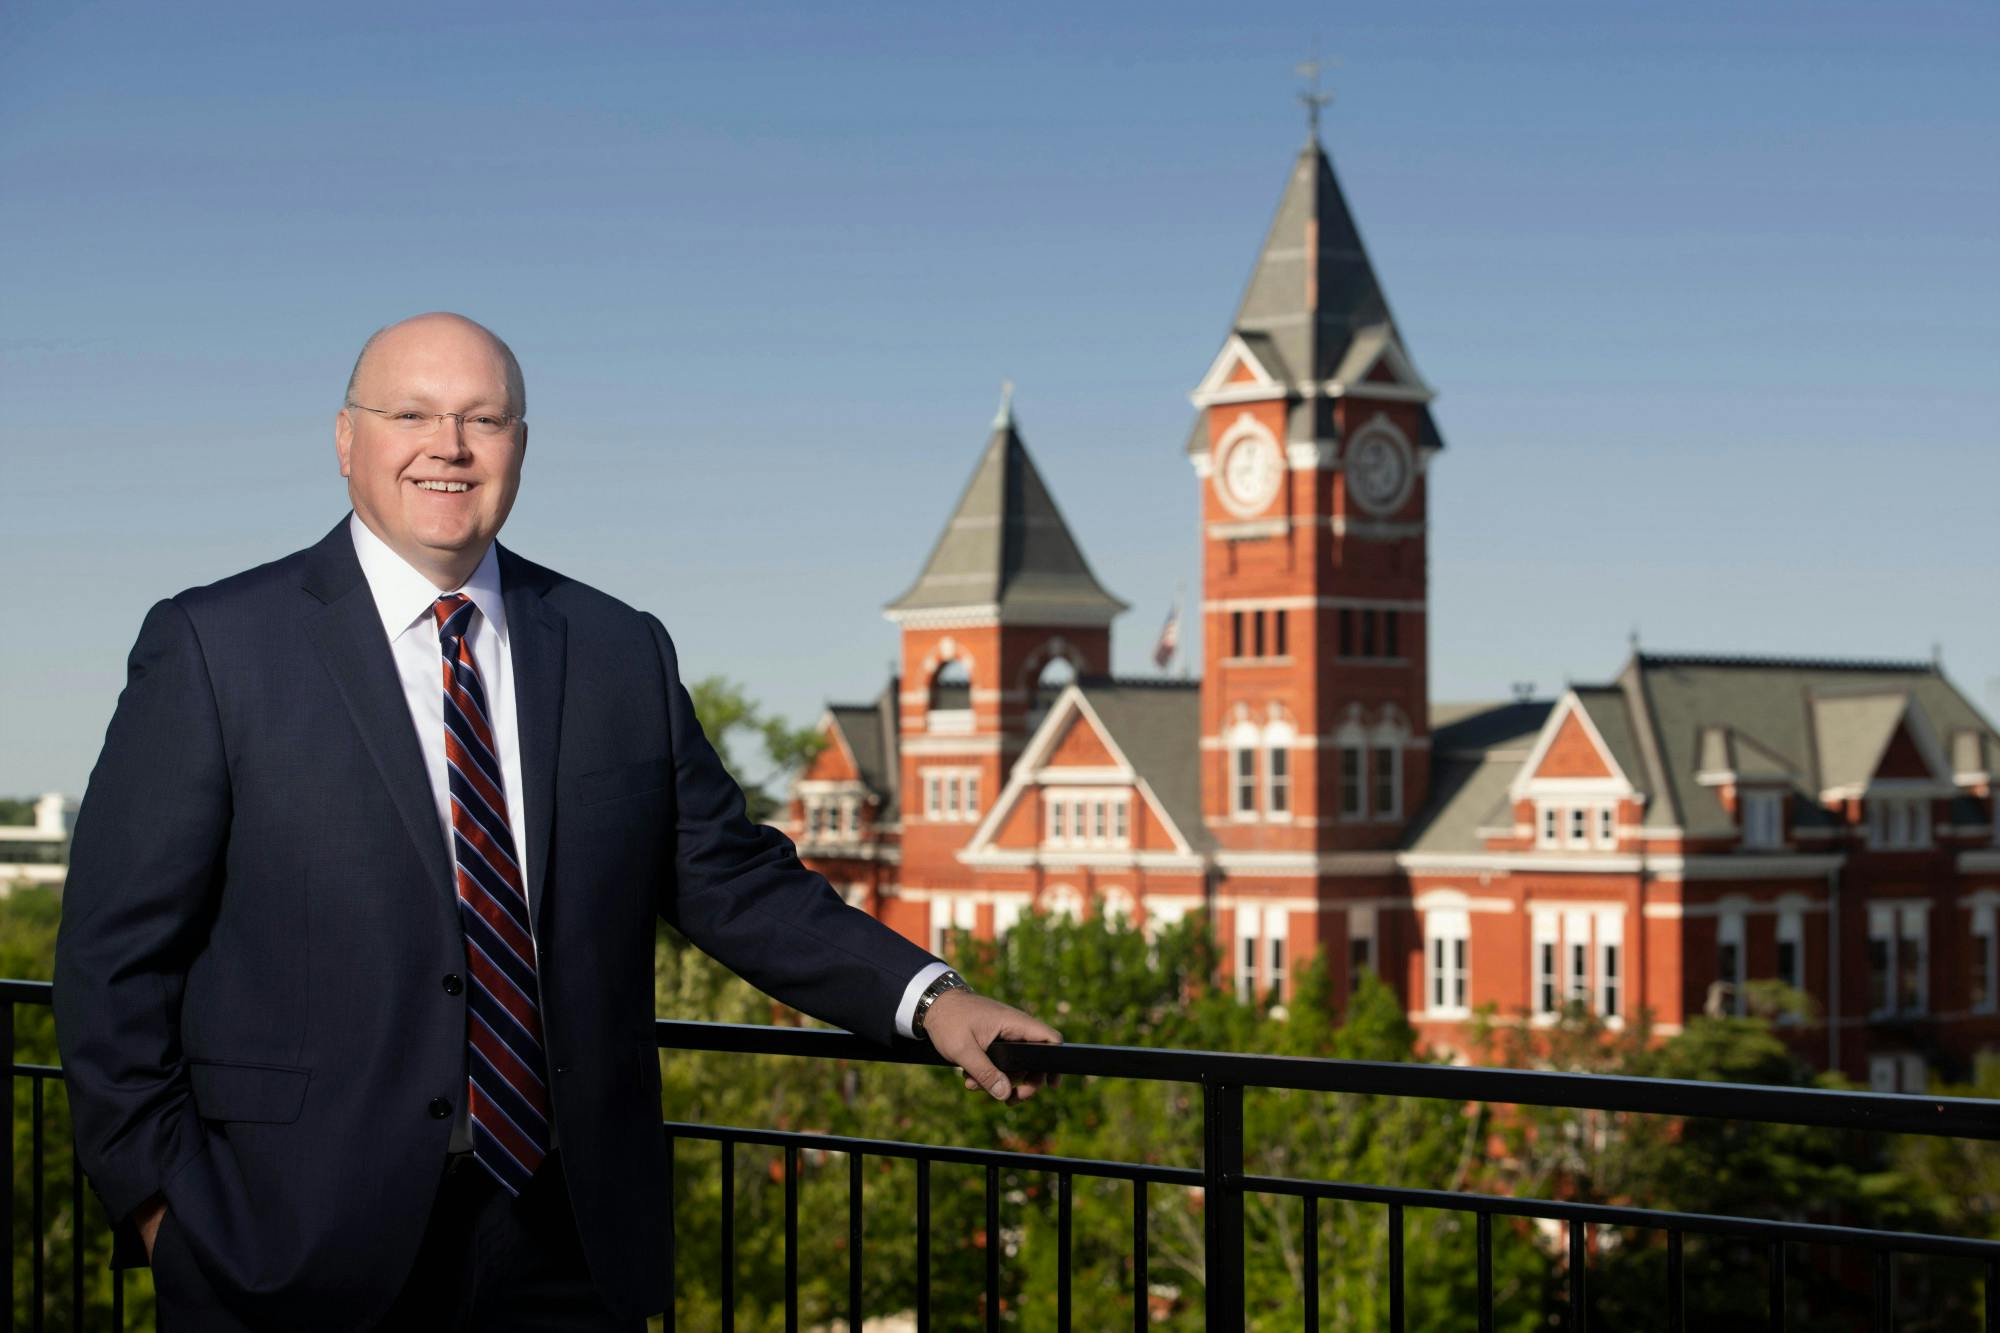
(506, 1089)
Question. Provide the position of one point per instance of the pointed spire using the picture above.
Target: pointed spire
(1006, 552)
(1315, 100)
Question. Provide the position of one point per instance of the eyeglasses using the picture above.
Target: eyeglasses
(489, 425)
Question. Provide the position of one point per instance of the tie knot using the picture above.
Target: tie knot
(454, 613)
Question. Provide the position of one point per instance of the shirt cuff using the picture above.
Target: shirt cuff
(913, 992)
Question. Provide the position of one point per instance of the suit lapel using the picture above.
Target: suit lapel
(347, 630)
(538, 638)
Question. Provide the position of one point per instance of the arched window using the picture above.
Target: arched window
(1278, 738)
(1351, 770)
(1115, 905)
(951, 687)
(1062, 900)
(1244, 740)
(1056, 675)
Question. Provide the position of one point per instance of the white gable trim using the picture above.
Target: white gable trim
(1215, 386)
(1526, 785)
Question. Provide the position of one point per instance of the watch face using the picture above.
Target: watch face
(1378, 472)
(1251, 473)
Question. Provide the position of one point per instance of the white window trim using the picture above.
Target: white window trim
(1448, 972)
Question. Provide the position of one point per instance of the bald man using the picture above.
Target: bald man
(354, 982)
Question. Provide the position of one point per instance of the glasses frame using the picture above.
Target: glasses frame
(508, 421)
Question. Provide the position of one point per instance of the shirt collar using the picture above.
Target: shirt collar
(403, 597)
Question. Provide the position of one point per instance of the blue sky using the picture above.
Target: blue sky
(1709, 292)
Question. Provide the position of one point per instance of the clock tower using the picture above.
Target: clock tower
(1312, 443)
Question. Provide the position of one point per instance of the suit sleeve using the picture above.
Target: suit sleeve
(740, 892)
(145, 861)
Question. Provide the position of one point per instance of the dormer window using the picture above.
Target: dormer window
(1763, 819)
(1899, 823)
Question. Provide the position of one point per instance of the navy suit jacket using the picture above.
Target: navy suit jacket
(259, 919)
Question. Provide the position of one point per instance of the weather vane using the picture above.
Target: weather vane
(1314, 99)
(1006, 412)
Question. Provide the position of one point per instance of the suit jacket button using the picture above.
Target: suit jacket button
(453, 984)
(440, 1109)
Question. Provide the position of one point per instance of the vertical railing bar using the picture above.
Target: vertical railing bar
(1222, 1205)
(1064, 1204)
(728, 1234)
(1579, 1241)
(1396, 1268)
(1777, 1273)
(673, 1242)
(1992, 1296)
(1885, 1291)
(7, 1174)
(1485, 1224)
(854, 1164)
(1142, 1315)
(118, 1300)
(992, 1248)
(41, 1217)
(1311, 1228)
(1676, 1285)
(791, 1240)
(923, 1245)
(75, 1236)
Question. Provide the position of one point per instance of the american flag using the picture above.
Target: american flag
(1170, 636)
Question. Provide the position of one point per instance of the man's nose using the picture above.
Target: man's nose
(448, 439)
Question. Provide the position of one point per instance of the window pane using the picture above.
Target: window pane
(1258, 626)
(1392, 634)
(1346, 632)
(1350, 780)
(1236, 634)
(1368, 634)
(1878, 974)
(1982, 970)
(1385, 781)
(1278, 632)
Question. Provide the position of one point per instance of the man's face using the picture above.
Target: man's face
(435, 491)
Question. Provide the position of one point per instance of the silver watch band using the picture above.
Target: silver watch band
(945, 981)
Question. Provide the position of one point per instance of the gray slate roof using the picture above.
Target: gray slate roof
(1157, 725)
(870, 731)
(1824, 722)
(1476, 750)
(1007, 545)
(1313, 297)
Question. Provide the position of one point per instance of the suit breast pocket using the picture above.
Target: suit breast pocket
(622, 780)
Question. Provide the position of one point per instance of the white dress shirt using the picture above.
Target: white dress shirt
(403, 598)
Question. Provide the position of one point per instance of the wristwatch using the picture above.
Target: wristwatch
(945, 981)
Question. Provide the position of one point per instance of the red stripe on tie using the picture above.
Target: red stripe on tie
(475, 896)
(474, 714)
(462, 760)
(495, 1122)
(505, 991)
(520, 1078)
(496, 856)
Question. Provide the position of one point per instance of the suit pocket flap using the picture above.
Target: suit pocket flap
(227, 1091)
(605, 784)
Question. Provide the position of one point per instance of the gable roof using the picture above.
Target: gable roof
(1006, 550)
(1477, 750)
(1825, 722)
(870, 731)
(1156, 725)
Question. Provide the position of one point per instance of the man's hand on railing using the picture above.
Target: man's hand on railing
(961, 1024)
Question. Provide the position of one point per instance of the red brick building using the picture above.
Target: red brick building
(1653, 842)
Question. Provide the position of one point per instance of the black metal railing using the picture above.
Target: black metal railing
(1224, 1183)
(1221, 1176)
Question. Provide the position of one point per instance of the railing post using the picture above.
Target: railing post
(7, 1172)
(1222, 1204)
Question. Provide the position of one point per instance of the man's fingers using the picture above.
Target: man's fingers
(982, 1072)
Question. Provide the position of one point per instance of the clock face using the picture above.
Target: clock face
(1378, 472)
(1250, 473)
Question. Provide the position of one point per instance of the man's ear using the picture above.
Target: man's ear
(343, 438)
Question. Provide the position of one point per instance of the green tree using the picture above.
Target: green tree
(728, 716)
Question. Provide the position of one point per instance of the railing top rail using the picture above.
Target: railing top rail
(1880, 1112)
